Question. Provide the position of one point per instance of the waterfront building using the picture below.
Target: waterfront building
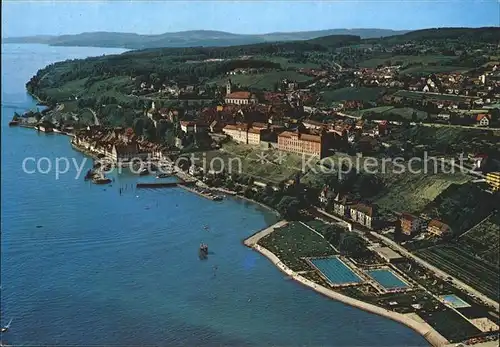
(438, 228)
(127, 151)
(410, 224)
(493, 179)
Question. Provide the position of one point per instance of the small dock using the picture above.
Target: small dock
(207, 195)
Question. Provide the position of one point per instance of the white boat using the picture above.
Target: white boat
(6, 328)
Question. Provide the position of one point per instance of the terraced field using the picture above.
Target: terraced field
(263, 80)
(473, 271)
(343, 94)
(261, 165)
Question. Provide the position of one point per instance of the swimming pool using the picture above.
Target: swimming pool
(387, 279)
(454, 301)
(335, 270)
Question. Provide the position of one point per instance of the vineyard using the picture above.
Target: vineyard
(464, 266)
(484, 240)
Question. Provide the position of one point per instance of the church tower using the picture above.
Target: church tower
(229, 86)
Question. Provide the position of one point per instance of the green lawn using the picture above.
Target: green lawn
(295, 241)
(351, 93)
(263, 80)
(428, 69)
(418, 95)
(405, 59)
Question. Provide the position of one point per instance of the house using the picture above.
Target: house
(243, 133)
(438, 228)
(493, 179)
(362, 214)
(483, 120)
(241, 98)
(127, 152)
(410, 224)
(443, 116)
(189, 127)
(312, 124)
(341, 206)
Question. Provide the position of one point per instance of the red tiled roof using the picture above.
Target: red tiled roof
(481, 116)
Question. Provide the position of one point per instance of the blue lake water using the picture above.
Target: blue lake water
(335, 270)
(387, 279)
(83, 265)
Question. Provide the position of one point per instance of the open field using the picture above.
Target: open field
(428, 69)
(295, 241)
(406, 59)
(380, 112)
(263, 80)
(467, 268)
(431, 96)
(286, 63)
(250, 161)
(351, 93)
(484, 240)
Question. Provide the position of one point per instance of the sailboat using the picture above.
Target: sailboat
(6, 328)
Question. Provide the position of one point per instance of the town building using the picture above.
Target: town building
(243, 133)
(127, 152)
(239, 98)
(483, 120)
(341, 206)
(438, 228)
(301, 143)
(388, 254)
(493, 179)
(190, 127)
(410, 224)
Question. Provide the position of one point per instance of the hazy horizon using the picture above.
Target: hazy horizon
(25, 18)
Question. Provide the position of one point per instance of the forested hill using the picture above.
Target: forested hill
(192, 38)
(484, 34)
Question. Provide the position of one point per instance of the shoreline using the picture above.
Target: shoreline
(424, 329)
(236, 195)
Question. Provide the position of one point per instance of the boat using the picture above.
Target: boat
(163, 175)
(217, 198)
(101, 180)
(144, 172)
(13, 123)
(6, 328)
(203, 251)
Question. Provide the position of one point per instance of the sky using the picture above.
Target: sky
(58, 17)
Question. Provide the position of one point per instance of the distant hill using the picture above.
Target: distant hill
(193, 38)
(484, 34)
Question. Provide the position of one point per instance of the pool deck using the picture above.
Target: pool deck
(424, 329)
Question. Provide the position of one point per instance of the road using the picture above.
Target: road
(438, 272)
(96, 120)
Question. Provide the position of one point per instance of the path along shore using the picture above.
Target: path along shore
(424, 329)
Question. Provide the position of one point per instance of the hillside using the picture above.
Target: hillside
(484, 34)
(191, 38)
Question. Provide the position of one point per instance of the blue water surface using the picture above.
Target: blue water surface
(387, 279)
(83, 265)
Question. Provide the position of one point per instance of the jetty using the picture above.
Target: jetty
(165, 184)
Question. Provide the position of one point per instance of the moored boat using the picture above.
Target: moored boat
(101, 180)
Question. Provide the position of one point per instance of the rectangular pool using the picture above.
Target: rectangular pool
(335, 270)
(387, 279)
(454, 301)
